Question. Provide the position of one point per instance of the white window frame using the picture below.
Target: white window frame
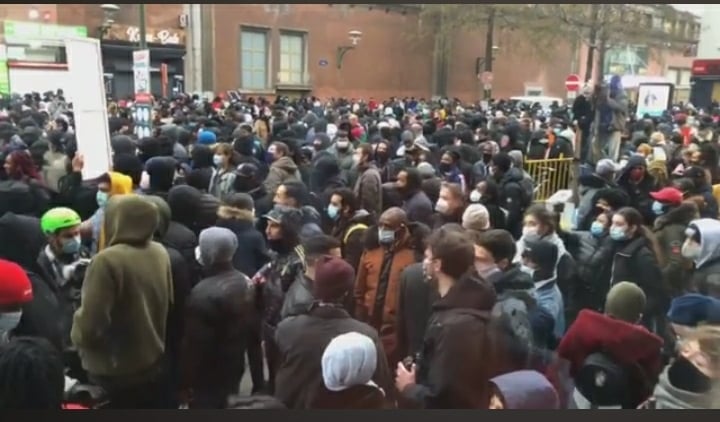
(244, 67)
(292, 64)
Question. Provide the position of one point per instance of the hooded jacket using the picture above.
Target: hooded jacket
(706, 278)
(219, 316)
(639, 193)
(120, 328)
(526, 390)
(511, 198)
(282, 170)
(629, 345)
(22, 241)
(183, 202)
(119, 185)
(669, 397)
(184, 277)
(162, 174)
(670, 233)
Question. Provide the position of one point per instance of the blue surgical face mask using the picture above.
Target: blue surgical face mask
(101, 198)
(386, 237)
(333, 212)
(658, 208)
(597, 229)
(557, 131)
(217, 160)
(71, 246)
(618, 234)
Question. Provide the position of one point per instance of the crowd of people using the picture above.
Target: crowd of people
(359, 255)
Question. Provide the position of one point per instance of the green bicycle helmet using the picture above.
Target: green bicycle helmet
(58, 219)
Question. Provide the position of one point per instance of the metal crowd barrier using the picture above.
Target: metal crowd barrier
(550, 176)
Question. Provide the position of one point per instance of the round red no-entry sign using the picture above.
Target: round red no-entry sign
(572, 83)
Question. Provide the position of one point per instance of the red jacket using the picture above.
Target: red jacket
(626, 344)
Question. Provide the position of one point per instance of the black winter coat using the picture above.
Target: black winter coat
(414, 308)
(456, 361)
(219, 315)
(635, 262)
(251, 253)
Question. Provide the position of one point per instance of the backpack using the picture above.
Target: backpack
(17, 197)
(528, 190)
(602, 383)
(353, 229)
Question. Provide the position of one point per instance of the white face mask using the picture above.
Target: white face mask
(9, 321)
(198, 256)
(691, 250)
(529, 231)
(442, 206)
(475, 196)
(145, 181)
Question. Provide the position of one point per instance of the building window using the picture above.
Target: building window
(253, 59)
(682, 29)
(673, 75)
(670, 27)
(292, 59)
(684, 79)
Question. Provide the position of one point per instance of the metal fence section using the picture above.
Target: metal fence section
(550, 176)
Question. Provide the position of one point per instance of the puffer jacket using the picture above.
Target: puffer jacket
(593, 266)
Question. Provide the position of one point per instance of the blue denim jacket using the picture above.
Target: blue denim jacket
(548, 296)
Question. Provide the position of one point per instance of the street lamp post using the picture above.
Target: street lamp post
(141, 26)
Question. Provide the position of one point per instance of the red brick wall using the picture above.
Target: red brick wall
(385, 62)
(515, 65)
(158, 16)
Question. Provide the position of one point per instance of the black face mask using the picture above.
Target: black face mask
(487, 157)
(445, 167)
(381, 156)
(685, 376)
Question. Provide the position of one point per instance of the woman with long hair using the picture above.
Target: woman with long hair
(637, 258)
(20, 166)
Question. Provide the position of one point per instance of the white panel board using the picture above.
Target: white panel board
(24, 81)
(89, 104)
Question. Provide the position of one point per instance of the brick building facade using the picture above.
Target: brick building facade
(274, 49)
(393, 56)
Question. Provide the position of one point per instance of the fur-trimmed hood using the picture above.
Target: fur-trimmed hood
(230, 213)
(682, 215)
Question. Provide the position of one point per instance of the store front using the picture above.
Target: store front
(33, 58)
(167, 47)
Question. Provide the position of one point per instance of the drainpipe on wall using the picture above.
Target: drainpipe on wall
(206, 46)
(193, 52)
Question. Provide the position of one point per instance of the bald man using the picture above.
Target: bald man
(377, 287)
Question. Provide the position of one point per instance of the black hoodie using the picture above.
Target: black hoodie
(22, 241)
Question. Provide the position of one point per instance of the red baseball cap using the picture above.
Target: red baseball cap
(670, 196)
(15, 287)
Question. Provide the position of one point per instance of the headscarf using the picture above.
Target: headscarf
(349, 360)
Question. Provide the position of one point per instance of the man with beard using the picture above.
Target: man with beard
(275, 278)
(417, 205)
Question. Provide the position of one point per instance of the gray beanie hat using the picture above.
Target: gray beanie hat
(216, 245)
